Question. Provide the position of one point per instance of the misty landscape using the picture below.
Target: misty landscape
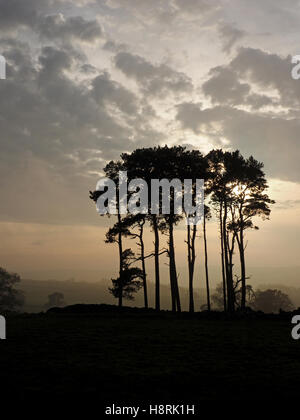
(174, 333)
(81, 291)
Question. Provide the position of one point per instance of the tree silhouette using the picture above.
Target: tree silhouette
(144, 163)
(217, 296)
(192, 165)
(220, 187)
(248, 199)
(272, 300)
(10, 297)
(238, 192)
(236, 188)
(114, 235)
(129, 282)
(55, 299)
(129, 223)
(250, 296)
(159, 163)
(174, 162)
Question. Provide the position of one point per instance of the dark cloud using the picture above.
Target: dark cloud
(165, 11)
(62, 28)
(270, 138)
(154, 79)
(105, 89)
(230, 35)
(113, 46)
(62, 129)
(268, 71)
(257, 101)
(35, 15)
(224, 87)
(20, 12)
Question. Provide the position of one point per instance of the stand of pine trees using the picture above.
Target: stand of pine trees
(235, 192)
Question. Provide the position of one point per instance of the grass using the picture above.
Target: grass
(142, 356)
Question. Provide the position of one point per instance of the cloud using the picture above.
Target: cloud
(19, 12)
(34, 14)
(268, 71)
(153, 79)
(66, 108)
(113, 46)
(59, 129)
(271, 138)
(249, 72)
(288, 204)
(160, 8)
(67, 28)
(193, 7)
(105, 89)
(267, 16)
(230, 35)
(224, 87)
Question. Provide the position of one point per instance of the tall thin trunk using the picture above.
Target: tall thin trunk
(156, 263)
(191, 296)
(243, 277)
(222, 259)
(120, 246)
(142, 246)
(191, 263)
(173, 274)
(193, 250)
(230, 253)
(206, 264)
(229, 281)
(243, 265)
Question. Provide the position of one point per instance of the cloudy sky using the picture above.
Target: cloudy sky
(89, 79)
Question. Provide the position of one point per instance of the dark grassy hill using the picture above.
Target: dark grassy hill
(132, 356)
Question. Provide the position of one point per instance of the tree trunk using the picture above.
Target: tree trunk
(173, 274)
(243, 268)
(191, 263)
(229, 281)
(143, 264)
(222, 258)
(206, 264)
(230, 253)
(156, 262)
(120, 246)
(191, 297)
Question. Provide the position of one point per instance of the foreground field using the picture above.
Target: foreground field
(141, 356)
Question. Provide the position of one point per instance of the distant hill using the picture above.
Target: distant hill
(289, 276)
(36, 294)
(95, 289)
